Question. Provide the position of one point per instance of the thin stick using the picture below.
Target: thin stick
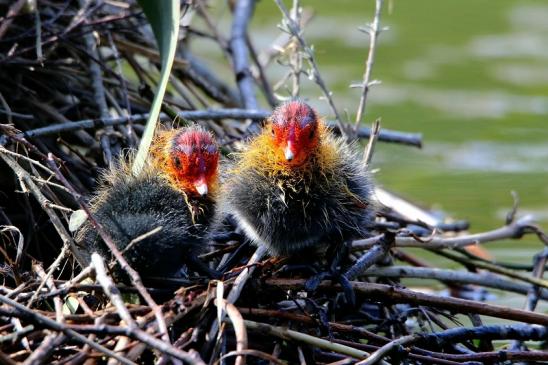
(75, 331)
(38, 24)
(15, 336)
(260, 74)
(84, 274)
(140, 238)
(53, 340)
(538, 273)
(239, 328)
(68, 243)
(296, 58)
(239, 284)
(111, 290)
(57, 302)
(27, 159)
(493, 268)
(493, 332)
(499, 356)
(386, 349)
(241, 280)
(535, 292)
(256, 353)
(515, 230)
(294, 29)
(334, 326)
(132, 328)
(42, 354)
(373, 30)
(288, 334)
(9, 17)
(370, 148)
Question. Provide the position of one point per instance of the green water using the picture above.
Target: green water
(471, 75)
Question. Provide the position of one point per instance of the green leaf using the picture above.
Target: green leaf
(163, 16)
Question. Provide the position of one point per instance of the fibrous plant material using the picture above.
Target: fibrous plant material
(76, 85)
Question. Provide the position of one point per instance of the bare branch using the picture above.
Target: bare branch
(240, 53)
(294, 28)
(399, 295)
(385, 135)
(514, 230)
(373, 30)
(370, 148)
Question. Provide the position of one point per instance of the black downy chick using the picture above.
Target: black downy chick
(175, 191)
(298, 187)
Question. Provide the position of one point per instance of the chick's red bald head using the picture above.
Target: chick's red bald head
(194, 158)
(295, 131)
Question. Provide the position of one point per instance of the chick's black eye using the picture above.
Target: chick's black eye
(177, 162)
(272, 131)
(312, 132)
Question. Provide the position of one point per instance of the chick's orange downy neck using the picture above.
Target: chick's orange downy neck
(265, 155)
(190, 158)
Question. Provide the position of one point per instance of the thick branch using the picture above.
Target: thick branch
(514, 230)
(386, 135)
(240, 54)
(455, 335)
(399, 295)
(491, 332)
(371, 257)
(98, 87)
(462, 277)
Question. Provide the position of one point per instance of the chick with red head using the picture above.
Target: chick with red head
(188, 159)
(175, 191)
(297, 186)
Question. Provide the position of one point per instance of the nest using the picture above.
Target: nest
(75, 85)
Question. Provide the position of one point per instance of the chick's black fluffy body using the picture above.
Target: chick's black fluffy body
(128, 207)
(304, 210)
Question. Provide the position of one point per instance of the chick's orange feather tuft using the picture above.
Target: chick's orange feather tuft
(265, 154)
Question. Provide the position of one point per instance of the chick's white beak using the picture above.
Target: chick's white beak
(288, 152)
(201, 187)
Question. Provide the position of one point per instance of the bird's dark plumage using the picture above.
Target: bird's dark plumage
(159, 219)
(128, 207)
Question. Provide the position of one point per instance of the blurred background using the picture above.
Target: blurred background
(471, 75)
